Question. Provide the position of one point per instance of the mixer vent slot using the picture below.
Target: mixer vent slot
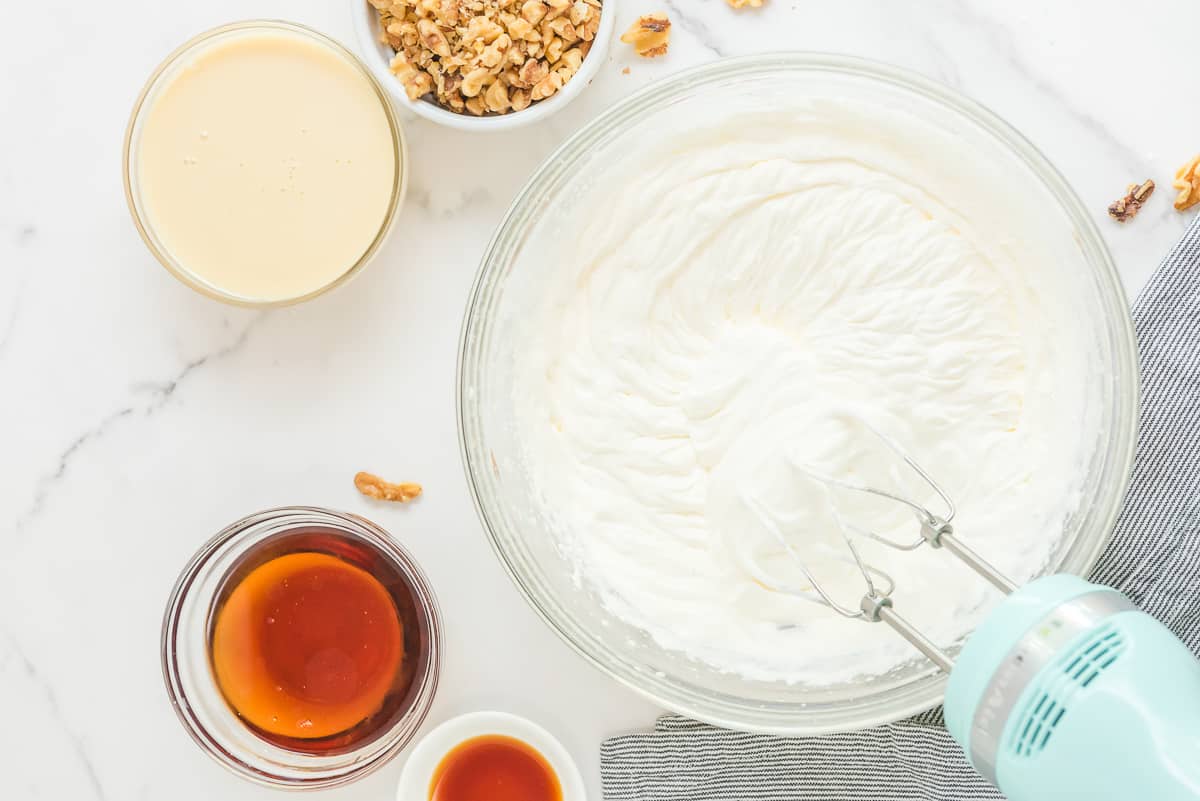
(1074, 671)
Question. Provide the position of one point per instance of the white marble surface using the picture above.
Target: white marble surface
(137, 418)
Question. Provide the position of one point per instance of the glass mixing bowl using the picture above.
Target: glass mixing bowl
(522, 532)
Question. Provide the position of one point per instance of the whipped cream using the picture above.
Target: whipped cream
(744, 304)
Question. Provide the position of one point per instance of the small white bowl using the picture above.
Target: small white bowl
(378, 55)
(428, 753)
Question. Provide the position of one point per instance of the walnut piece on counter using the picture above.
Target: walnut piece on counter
(650, 35)
(745, 3)
(1126, 208)
(375, 487)
(487, 56)
(1187, 181)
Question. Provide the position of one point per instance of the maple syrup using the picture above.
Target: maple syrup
(494, 767)
(314, 639)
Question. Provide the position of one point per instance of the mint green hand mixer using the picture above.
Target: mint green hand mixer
(1065, 692)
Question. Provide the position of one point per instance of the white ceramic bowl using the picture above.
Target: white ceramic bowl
(425, 757)
(378, 56)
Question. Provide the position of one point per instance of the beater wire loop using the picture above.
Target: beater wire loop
(879, 585)
(875, 604)
(924, 515)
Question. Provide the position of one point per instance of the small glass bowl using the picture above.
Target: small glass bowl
(192, 687)
(166, 70)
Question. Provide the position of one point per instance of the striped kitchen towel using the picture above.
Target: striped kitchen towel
(1153, 558)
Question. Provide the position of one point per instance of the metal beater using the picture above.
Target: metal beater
(1065, 691)
(876, 604)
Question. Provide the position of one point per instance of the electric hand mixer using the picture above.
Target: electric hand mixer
(1065, 691)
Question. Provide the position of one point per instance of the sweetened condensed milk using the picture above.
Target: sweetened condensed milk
(266, 164)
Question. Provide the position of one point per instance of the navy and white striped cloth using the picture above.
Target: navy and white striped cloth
(1154, 558)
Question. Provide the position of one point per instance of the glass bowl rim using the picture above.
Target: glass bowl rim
(926, 690)
(145, 228)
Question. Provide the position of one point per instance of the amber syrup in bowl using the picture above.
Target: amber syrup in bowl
(307, 640)
(301, 647)
(494, 767)
(490, 756)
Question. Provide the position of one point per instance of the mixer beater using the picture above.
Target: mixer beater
(1066, 691)
(876, 604)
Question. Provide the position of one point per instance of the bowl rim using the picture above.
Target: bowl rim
(366, 26)
(925, 691)
(427, 754)
(141, 105)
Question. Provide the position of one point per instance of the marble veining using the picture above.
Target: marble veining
(11, 658)
(693, 26)
(155, 395)
(1002, 39)
(137, 418)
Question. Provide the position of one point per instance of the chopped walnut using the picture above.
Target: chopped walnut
(745, 3)
(487, 56)
(474, 81)
(546, 86)
(375, 487)
(650, 35)
(557, 8)
(1187, 181)
(532, 11)
(496, 98)
(531, 72)
(1126, 208)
